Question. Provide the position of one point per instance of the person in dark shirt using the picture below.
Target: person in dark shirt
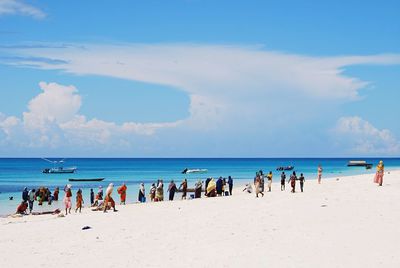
(230, 184)
(171, 189)
(301, 179)
(219, 186)
(292, 181)
(25, 195)
(91, 197)
(283, 181)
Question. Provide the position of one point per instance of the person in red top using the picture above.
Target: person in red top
(292, 181)
(21, 209)
(79, 201)
(55, 194)
(122, 193)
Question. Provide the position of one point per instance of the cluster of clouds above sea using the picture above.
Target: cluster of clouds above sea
(228, 86)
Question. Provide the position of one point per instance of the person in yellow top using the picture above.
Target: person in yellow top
(379, 173)
(269, 177)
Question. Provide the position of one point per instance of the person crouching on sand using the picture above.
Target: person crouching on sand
(21, 209)
(301, 179)
(380, 169)
(292, 181)
(79, 201)
(67, 198)
(122, 193)
(108, 199)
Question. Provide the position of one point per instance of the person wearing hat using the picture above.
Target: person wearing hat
(379, 173)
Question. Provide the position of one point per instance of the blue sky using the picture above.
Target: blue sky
(199, 78)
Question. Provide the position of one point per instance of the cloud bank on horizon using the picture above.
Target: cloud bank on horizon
(234, 91)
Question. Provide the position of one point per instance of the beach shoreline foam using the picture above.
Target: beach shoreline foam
(344, 222)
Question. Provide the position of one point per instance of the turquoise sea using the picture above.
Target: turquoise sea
(17, 173)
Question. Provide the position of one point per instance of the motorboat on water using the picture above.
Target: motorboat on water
(359, 163)
(195, 170)
(58, 167)
(287, 168)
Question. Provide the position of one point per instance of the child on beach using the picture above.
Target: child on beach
(292, 181)
(269, 177)
(21, 209)
(79, 201)
(283, 181)
(301, 179)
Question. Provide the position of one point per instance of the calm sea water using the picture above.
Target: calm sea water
(17, 173)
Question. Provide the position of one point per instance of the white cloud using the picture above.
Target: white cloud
(53, 121)
(15, 7)
(241, 95)
(362, 137)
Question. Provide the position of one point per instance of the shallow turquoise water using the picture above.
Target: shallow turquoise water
(17, 173)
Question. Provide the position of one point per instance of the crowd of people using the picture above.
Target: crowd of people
(220, 187)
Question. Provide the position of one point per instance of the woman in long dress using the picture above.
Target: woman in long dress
(160, 191)
(379, 173)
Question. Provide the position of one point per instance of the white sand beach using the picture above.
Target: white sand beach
(344, 222)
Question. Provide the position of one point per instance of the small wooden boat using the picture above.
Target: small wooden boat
(90, 179)
(288, 168)
(359, 163)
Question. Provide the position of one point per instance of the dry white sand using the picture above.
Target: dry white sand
(348, 222)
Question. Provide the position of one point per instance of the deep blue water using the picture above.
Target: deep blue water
(16, 173)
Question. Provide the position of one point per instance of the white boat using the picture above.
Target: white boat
(357, 163)
(195, 170)
(58, 169)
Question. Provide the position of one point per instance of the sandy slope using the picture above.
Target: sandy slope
(348, 222)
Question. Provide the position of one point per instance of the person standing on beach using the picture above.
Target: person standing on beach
(380, 169)
(269, 177)
(142, 193)
(197, 189)
(292, 181)
(183, 186)
(219, 186)
(205, 189)
(160, 191)
(67, 199)
(230, 184)
(152, 193)
(91, 197)
(31, 199)
(171, 189)
(56, 193)
(108, 198)
(257, 185)
(211, 188)
(283, 181)
(79, 201)
(301, 179)
(319, 174)
(25, 195)
(122, 193)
